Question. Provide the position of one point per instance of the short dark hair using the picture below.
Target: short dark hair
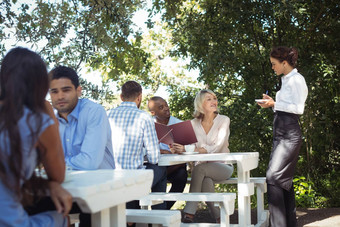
(65, 72)
(130, 90)
(154, 99)
(283, 53)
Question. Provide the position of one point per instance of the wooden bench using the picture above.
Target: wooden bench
(261, 188)
(226, 201)
(168, 218)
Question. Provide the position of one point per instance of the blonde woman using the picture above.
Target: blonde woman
(212, 132)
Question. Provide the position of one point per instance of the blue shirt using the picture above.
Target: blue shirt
(12, 212)
(86, 137)
(132, 129)
(172, 120)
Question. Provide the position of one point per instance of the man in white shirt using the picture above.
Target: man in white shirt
(176, 174)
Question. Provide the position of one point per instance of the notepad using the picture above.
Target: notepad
(181, 133)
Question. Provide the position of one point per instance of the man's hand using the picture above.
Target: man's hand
(61, 198)
(165, 151)
(177, 148)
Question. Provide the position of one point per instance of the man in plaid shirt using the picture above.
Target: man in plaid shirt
(134, 138)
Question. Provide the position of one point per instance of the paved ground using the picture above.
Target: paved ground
(307, 217)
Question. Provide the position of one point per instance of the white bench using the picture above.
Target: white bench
(226, 201)
(261, 188)
(167, 218)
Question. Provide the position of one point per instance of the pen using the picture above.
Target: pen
(267, 92)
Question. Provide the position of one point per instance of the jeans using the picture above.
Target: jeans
(158, 185)
(177, 175)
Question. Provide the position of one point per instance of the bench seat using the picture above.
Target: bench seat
(226, 201)
(261, 188)
(168, 218)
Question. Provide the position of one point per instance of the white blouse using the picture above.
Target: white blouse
(217, 139)
(293, 93)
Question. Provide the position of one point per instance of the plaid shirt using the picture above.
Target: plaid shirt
(133, 136)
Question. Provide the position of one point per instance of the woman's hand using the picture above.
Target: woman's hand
(201, 150)
(269, 103)
(177, 148)
(61, 198)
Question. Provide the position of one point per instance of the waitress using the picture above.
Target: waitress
(289, 104)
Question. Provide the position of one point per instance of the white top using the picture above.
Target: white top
(217, 139)
(293, 93)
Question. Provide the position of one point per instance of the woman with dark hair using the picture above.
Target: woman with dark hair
(289, 104)
(28, 137)
(212, 132)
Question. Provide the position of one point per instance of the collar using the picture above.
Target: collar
(170, 119)
(294, 71)
(129, 104)
(75, 112)
(217, 116)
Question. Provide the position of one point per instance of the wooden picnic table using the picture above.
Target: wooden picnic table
(245, 162)
(103, 193)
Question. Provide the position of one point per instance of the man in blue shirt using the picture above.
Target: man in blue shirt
(176, 174)
(134, 138)
(83, 125)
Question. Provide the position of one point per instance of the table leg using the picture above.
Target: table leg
(244, 209)
(101, 218)
(118, 216)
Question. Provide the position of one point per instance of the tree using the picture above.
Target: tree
(229, 42)
(92, 33)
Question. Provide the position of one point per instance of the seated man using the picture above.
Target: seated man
(176, 174)
(84, 131)
(134, 137)
(83, 125)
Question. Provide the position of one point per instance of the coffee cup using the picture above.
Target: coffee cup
(190, 148)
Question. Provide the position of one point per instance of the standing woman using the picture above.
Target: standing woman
(212, 132)
(290, 103)
(28, 136)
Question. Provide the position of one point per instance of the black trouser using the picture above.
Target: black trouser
(158, 185)
(177, 175)
(284, 156)
(281, 206)
(46, 204)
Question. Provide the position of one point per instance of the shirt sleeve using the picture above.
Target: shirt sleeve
(93, 146)
(150, 141)
(222, 138)
(292, 98)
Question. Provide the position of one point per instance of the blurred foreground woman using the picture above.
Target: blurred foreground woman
(28, 137)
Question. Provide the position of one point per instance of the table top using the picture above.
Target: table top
(95, 190)
(244, 160)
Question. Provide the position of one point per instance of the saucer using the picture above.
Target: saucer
(187, 153)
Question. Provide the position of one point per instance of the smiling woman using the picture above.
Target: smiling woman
(212, 133)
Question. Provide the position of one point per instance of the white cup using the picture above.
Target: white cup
(190, 148)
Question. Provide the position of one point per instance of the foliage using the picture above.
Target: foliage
(304, 194)
(229, 42)
(93, 33)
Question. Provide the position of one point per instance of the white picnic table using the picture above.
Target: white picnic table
(245, 162)
(103, 193)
